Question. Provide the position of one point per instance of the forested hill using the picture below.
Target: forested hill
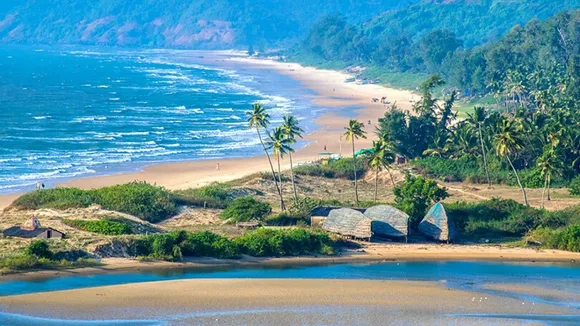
(174, 23)
(473, 21)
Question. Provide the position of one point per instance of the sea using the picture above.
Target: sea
(69, 112)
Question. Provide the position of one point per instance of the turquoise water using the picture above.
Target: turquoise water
(67, 113)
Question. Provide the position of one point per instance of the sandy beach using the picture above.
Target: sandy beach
(282, 302)
(332, 92)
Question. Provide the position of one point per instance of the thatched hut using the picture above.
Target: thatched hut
(350, 222)
(437, 225)
(387, 221)
(320, 213)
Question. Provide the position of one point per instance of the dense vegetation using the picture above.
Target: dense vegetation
(415, 195)
(245, 209)
(38, 255)
(260, 243)
(217, 195)
(148, 202)
(342, 168)
(105, 227)
(176, 23)
(531, 63)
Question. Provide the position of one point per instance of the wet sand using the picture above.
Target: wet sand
(331, 92)
(281, 302)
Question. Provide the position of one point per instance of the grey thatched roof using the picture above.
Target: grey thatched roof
(347, 221)
(325, 210)
(388, 221)
(437, 225)
(16, 231)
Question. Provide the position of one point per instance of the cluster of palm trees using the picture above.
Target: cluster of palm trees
(279, 141)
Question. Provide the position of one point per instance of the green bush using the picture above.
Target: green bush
(245, 209)
(415, 195)
(564, 239)
(58, 198)
(342, 168)
(216, 195)
(148, 202)
(575, 186)
(100, 226)
(286, 219)
(266, 242)
(38, 249)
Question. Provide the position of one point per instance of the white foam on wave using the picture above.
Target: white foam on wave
(114, 99)
(224, 109)
(42, 117)
(86, 119)
(103, 86)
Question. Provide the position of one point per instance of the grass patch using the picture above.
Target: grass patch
(245, 209)
(148, 202)
(342, 168)
(216, 195)
(106, 227)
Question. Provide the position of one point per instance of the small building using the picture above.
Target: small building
(437, 225)
(33, 230)
(387, 221)
(349, 222)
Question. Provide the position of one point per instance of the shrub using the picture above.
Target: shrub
(284, 242)
(286, 219)
(575, 186)
(342, 168)
(245, 209)
(415, 195)
(148, 202)
(216, 195)
(141, 199)
(58, 198)
(565, 239)
(39, 249)
(100, 226)
(302, 207)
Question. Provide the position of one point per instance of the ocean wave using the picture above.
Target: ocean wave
(85, 119)
(42, 117)
(114, 99)
(224, 109)
(103, 86)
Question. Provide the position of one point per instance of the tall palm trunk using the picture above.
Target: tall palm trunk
(519, 182)
(544, 190)
(280, 179)
(292, 178)
(391, 176)
(355, 183)
(271, 167)
(549, 182)
(376, 184)
(484, 156)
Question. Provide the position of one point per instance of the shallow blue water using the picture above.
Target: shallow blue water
(454, 273)
(67, 113)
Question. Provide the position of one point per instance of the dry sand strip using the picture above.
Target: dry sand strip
(277, 301)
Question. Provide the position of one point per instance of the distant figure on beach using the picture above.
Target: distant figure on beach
(38, 186)
(42, 186)
(217, 167)
(324, 147)
(106, 167)
(369, 122)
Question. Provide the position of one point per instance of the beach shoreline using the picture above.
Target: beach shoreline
(332, 93)
(372, 253)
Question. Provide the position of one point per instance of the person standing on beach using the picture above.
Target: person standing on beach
(217, 167)
(38, 186)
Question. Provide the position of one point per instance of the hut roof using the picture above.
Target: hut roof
(388, 221)
(437, 225)
(16, 231)
(347, 221)
(325, 210)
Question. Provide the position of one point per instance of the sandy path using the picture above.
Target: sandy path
(332, 92)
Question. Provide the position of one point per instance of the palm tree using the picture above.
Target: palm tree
(355, 130)
(259, 118)
(477, 119)
(292, 131)
(380, 159)
(509, 141)
(280, 145)
(549, 164)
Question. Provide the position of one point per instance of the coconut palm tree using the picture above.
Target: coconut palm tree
(550, 163)
(292, 131)
(509, 141)
(280, 145)
(259, 118)
(354, 130)
(380, 158)
(477, 119)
